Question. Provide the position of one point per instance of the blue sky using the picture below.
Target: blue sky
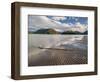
(70, 19)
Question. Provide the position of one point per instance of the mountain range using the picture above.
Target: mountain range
(53, 31)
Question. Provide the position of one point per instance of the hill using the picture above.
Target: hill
(53, 31)
(46, 31)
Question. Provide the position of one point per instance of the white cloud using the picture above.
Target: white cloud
(79, 27)
(82, 26)
(41, 22)
(66, 25)
(76, 19)
(58, 18)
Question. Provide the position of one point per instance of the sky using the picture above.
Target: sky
(59, 23)
(70, 19)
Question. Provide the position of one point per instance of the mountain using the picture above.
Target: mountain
(53, 31)
(46, 31)
(71, 32)
(86, 32)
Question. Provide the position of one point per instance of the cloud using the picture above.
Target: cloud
(76, 19)
(43, 22)
(40, 22)
(79, 27)
(82, 26)
(59, 18)
(66, 25)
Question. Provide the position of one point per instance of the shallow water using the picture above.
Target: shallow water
(36, 40)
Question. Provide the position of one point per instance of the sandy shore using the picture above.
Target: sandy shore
(58, 57)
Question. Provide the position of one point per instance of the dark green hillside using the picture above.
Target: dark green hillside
(52, 31)
(46, 31)
(86, 32)
(75, 32)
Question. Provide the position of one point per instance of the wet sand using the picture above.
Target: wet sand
(58, 57)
